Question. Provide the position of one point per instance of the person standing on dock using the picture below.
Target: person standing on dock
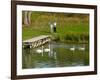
(51, 27)
(54, 26)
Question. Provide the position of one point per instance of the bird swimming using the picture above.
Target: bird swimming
(72, 48)
(39, 51)
(82, 48)
(47, 50)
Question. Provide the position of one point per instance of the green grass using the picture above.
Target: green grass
(69, 29)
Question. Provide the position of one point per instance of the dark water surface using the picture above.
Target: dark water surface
(56, 55)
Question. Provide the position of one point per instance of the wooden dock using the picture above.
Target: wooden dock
(36, 41)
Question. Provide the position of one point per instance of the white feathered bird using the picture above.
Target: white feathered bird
(72, 48)
(39, 51)
(82, 48)
(47, 50)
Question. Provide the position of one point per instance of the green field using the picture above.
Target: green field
(70, 27)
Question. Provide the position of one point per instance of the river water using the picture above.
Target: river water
(56, 55)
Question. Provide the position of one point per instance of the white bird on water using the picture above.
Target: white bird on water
(72, 48)
(82, 48)
(47, 50)
(40, 50)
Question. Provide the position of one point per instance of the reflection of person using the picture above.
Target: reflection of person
(54, 26)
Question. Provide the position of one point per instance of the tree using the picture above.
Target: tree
(27, 17)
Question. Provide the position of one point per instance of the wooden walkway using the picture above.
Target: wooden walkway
(36, 41)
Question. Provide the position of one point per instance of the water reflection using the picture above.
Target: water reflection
(56, 55)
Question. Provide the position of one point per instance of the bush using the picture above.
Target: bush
(71, 37)
(84, 37)
(55, 37)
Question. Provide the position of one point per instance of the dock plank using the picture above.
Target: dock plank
(36, 38)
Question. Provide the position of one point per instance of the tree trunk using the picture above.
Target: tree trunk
(26, 18)
(29, 17)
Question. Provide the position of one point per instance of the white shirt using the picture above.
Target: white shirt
(55, 23)
(51, 26)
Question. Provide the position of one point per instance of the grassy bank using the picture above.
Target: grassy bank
(70, 28)
(71, 38)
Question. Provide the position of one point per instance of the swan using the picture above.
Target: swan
(72, 49)
(47, 50)
(39, 51)
(82, 48)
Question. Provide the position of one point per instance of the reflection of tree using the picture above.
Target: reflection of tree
(27, 60)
